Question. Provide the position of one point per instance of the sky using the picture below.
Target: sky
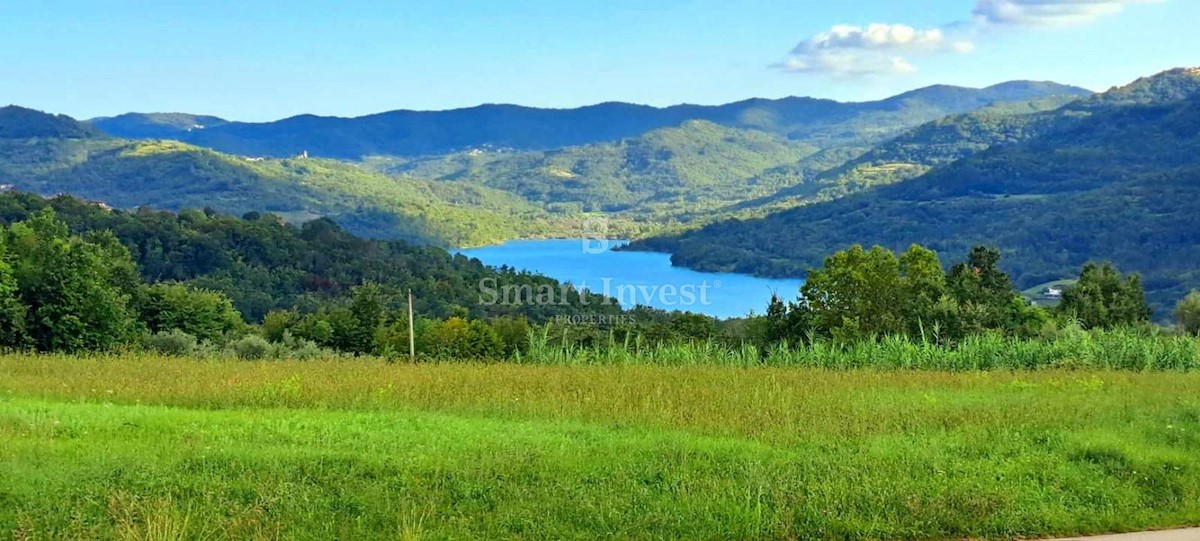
(264, 60)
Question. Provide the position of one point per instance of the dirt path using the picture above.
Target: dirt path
(1168, 535)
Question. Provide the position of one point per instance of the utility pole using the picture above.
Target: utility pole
(412, 337)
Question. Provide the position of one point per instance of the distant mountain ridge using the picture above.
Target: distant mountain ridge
(155, 125)
(423, 133)
(21, 123)
(1111, 177)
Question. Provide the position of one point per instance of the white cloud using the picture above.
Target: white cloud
(875, 36)
(878, 48)
(847, 50)
(1048, 12)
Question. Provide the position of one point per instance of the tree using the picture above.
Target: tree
(689, 326)
(278, 323)
(483, 341)
(367, 306)
(984, 294)
(1188, 312)
(924, 286)
(776, 329)
(201, 313)
(786, 321)
(12, 311)
(76, 291)
(857, 293)
(513, 331)
(1102, 298)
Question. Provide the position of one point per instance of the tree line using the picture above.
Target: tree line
(75, 278)
(860, 294)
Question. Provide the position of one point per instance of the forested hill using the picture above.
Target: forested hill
(51, 154)
(839, 171)
(1115, 178)
(21, 123)
(155, 125)
(263, 264)
(668, 173)
(422, 133)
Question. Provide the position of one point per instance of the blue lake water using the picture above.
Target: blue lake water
(638, 277)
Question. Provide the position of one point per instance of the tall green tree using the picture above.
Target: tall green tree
(857, 293)
(923, 283)
(77, 292)
(1102, 298)
(984, 294)
(368, 304)
(201, 313)
(12, 311)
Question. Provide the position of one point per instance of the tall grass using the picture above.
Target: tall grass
(1121, 349)
(139, 446)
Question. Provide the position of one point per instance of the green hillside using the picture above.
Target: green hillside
(840, 171)
(666, 174)
(1110, 179)
(155, 125)
(172, 175)
(21, 123)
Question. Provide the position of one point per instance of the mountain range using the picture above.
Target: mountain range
(1112, 177)
(1052, 174)
(645, 168)
(423, 133)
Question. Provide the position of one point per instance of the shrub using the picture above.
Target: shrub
(173, 342)
(298, 348)
(277, 323)
(1188, 312)
(251, 347)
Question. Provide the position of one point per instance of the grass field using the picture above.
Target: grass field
(138, 447)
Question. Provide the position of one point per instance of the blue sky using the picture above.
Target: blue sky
(265, 60)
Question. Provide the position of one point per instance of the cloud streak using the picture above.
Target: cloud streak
(1048, 12)
(881, 49)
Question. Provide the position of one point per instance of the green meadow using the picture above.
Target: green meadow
(145, 447)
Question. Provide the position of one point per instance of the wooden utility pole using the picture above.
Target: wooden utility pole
(412, 337)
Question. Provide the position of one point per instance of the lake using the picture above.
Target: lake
(638, 277)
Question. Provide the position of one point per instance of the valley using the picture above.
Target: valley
(702, 270)
(698, 190)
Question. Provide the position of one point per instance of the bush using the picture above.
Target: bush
(1188, 312)
(457, 338)
(300, 349)
(173, 342)
(251, 347)
(277, 324)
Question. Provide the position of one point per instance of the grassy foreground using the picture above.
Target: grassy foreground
(139, 447)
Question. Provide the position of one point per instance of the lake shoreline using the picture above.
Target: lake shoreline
(638, 277)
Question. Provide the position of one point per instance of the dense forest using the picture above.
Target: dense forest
(264, 264)
(1112, 178)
